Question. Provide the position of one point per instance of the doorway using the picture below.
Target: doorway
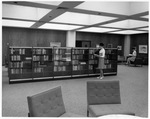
(83, 43)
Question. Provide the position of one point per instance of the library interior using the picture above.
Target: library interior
(75, 58)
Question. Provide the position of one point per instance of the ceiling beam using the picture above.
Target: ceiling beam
(30, 4)
(134, 17)
(102, 23)
(62, 8)
(136, 29)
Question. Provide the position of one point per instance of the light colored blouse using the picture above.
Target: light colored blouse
(134, 53)
(102, 53)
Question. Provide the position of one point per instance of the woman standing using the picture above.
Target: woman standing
(101, 60)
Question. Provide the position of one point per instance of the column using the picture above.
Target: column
(127, 45)
(71, 39)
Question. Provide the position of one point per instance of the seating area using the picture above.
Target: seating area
(138, 61)
(103, 98)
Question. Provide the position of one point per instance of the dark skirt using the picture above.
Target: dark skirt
(101, 63)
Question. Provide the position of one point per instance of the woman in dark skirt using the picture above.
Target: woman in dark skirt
(101, 60)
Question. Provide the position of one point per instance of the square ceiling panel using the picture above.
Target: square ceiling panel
(49, 2)
(110, 6)
(82, 19)
(129, 32)
(59, 26)
(15, 23)
(127, 24)
(138, 7)
(22, 12)
(96, 29)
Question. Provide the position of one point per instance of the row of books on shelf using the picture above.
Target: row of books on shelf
(75, 62)
(107, 66)
(60, 63)
(39, 51)
(15, 58)
(42, 58)
(38, 70)
(59, 68)
(17, 51)
(78, 51)
(62, 51)
(79, 67)
(16, 71)
(77, 57)
(16, 64)
(57, 57)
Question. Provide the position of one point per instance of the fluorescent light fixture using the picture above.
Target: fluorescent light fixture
(82, 19)
(96, 29)
(127, 24)
(22, 12)
(129, 32)
(59, 26)
(147, 28)
(15, 23)
(108, 6)
(147, 16)
(49, 2)
(137, 23)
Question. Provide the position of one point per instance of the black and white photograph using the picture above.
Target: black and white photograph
(75, 58)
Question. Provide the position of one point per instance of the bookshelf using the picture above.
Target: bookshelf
(20, 63)
(62, 61)
(39, 63)
(42, 60)
(80, 61)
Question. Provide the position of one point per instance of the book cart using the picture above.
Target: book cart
(50, 63)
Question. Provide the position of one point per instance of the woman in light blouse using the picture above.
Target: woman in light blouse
(101, 60)
(132, 56)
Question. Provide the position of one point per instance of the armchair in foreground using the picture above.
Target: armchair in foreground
(103, 98)
(48, 104)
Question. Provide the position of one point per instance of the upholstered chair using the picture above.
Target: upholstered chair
(103, 98)
(48, 104)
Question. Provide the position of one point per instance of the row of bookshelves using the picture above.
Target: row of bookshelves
(42, 62)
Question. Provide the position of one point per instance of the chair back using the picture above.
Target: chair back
(103, 92)
(46, 104)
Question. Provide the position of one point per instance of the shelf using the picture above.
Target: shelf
(44, 62)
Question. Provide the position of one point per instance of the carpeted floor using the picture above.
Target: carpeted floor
(133, 86)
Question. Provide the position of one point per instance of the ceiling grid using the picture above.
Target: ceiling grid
(114, 17)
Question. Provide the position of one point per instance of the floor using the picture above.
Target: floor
(133, 88)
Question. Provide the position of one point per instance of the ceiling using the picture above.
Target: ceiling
(84, 16)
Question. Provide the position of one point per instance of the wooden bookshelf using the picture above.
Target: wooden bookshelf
(39, 63)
